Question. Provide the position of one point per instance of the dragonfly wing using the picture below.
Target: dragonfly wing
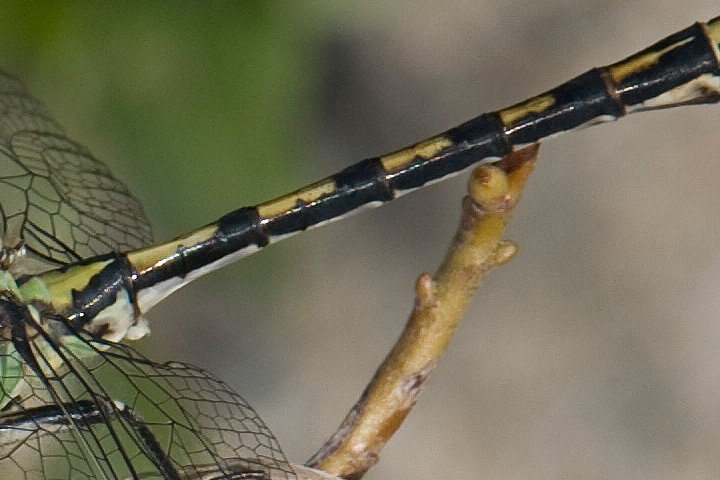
(114, 414)
(56, 199)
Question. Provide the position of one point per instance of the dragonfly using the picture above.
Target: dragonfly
(79, 272)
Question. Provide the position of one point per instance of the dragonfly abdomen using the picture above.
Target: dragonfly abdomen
(96, 295)
(681, 69)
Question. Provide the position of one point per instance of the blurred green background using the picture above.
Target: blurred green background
(594, 354)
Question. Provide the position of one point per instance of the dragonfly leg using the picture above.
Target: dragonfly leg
(48, 418)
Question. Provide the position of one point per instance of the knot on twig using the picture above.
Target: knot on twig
(425, 292)
(504, 252)
(488, 189)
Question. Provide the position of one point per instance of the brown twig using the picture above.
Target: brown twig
(440, 302)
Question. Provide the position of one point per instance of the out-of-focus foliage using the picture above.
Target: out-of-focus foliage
(177, 97)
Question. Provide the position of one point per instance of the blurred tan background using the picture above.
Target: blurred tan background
(594, 354)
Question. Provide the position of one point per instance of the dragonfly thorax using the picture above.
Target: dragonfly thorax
(21, 322)
(11, 309)
(23, 313)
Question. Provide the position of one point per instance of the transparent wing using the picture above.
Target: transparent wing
(56, 200)
(88, 409)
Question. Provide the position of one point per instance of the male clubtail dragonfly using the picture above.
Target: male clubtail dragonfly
(78, 274)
